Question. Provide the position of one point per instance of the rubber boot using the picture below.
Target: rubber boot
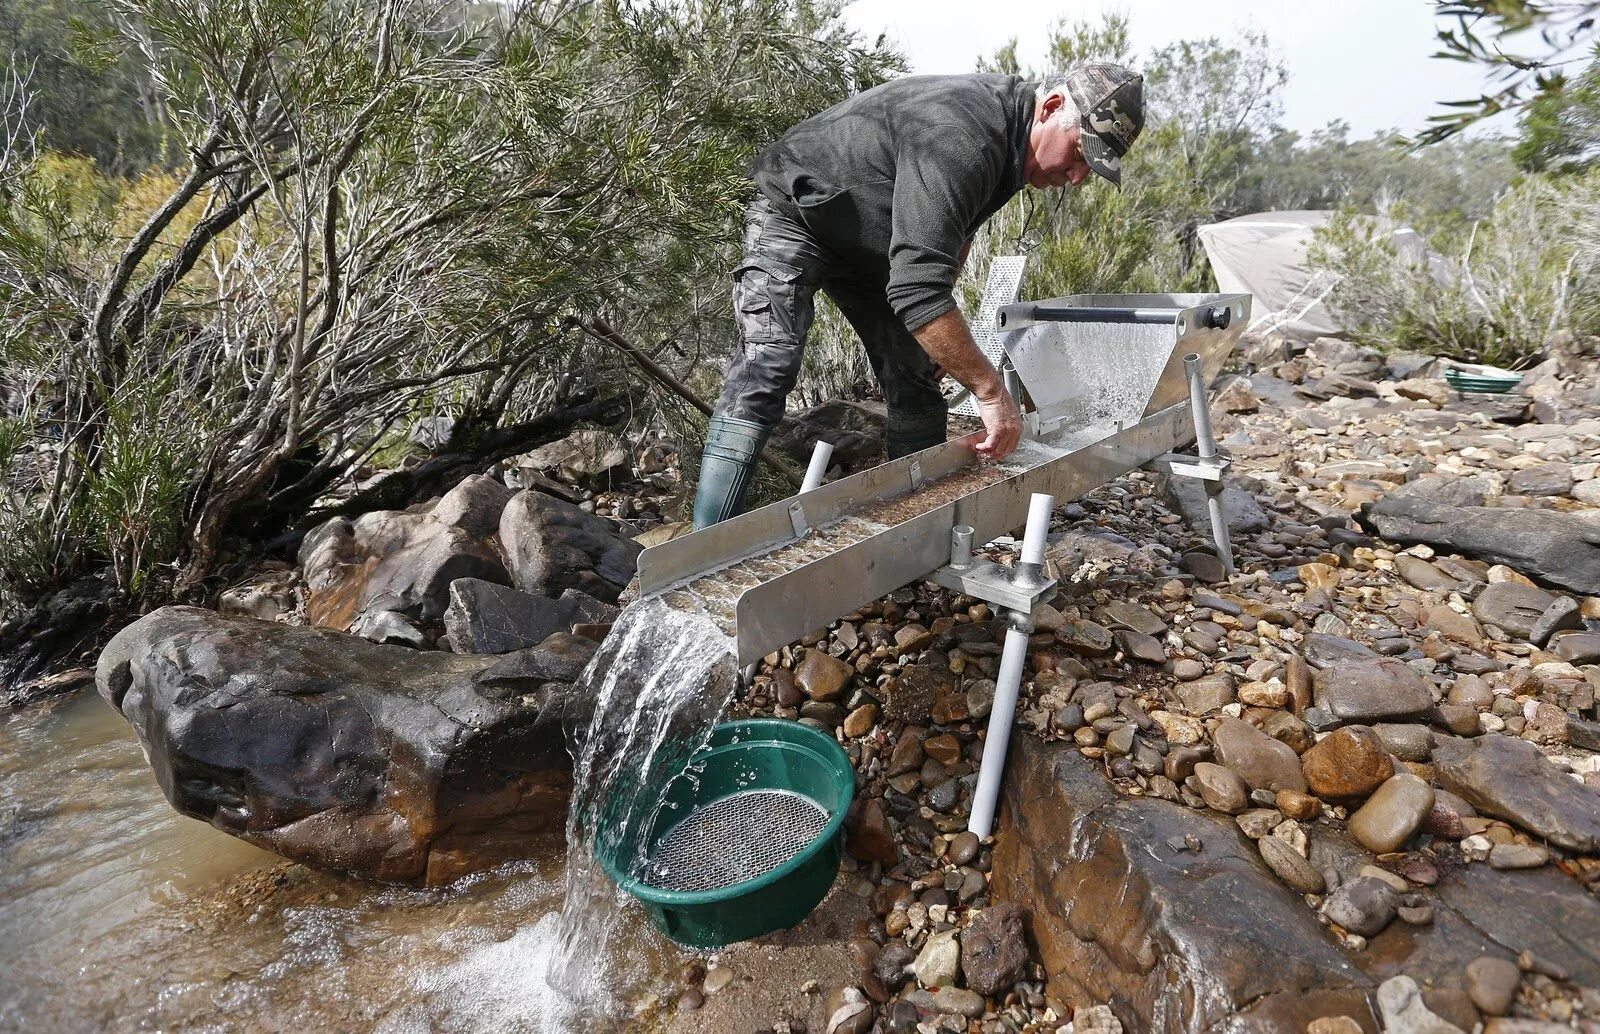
(906, 433)
(727, 465)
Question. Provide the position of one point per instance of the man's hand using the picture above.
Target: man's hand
(948, 342)
(1002, 420)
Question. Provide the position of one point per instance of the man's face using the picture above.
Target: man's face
(1055, 157)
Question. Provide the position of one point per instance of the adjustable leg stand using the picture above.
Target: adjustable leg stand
(1206, 466)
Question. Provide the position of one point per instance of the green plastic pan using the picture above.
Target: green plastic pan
(748, 842)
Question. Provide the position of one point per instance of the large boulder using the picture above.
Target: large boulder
(552, 546)
(1554, 547)
(1510, 779)
(381, 761)
(489, 618)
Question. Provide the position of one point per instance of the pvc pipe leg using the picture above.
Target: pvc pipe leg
(985, 797)
(820, 455)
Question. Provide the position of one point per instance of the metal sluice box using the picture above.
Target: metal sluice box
(1105, 390)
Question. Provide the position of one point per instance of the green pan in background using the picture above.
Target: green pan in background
(741, 757)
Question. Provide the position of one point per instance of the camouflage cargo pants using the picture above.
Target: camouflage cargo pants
(773, 291)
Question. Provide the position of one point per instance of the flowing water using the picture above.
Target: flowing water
(118, 914)
(657, 692)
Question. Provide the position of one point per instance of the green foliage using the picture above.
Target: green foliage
(1524, 275)
(1560, 130)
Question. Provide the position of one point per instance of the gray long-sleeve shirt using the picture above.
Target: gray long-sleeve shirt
(895, 179)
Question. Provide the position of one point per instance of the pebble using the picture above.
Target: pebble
(1221, 788)
(963, 848)
(1291, 866)
(1517, 856)
(1348, 763)
(1392, 814)
(939, 962)
(1492, 984)
(1363, 906)
(717, 978)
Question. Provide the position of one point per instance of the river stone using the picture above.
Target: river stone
(1245, 515)
(1255, 958)
(1261, 761)
(1492, 984)
(1131, 616)
(551, 546)
(1085, 637)
(868, 835)
(823, 677)
(1212, 693)
(1392, 814)
(1554, 547)
(1406, 742)
(487, 618)
(1322, 650)
(386, 762)
(1348, 763)
(474, 505)
(910, 696)
(1291, 866)
(939, 962)
(1509, 779)
(402, 562)
(1445, 488)
(993, 952)
(1560, 616)
(1372, 690)
(1363, 906)
(1400, 1003)
(1424, 575)
(1577, 647)
(1510, 606)
(1141, 647)
(1548, 479)
(1221, 788)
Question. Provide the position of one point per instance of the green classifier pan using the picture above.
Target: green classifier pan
(748, 842)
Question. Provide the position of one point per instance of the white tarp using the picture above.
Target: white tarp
(1265, 255)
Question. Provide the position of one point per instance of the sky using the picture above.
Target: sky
(1364, 61)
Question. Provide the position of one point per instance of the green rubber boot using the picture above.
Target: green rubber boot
(906, 433)
(727, 465)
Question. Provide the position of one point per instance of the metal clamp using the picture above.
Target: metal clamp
(797, 519)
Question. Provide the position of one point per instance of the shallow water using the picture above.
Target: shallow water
(118, 914)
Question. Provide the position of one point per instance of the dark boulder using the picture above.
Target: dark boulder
(1559, 548)
(487, 618)
(381, 761)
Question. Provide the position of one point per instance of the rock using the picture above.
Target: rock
(1558, 548)
(869, 837)
(1299, 806)
(388, 627)
(1232, 394)
(854, 429)
(1348, 763)
(944, 748)
(386, 762)
(1221, 788)
(910, 696)
(993, 952)
(474, 505)
(1372, 690)
(893, 964)
(487, 618)
(1288, 730)
(1261, 761)
(1188, 497)
(1512, 607)
(1205, 566)
(1400, 1004)
(1202, 696)
(585, 457)
(1547, 479)
(1290, 866)
(1517, 856)
(1141, 647)
(1577, 647)
(957, 1001)
(552, 546)
(823, 677)
(963, 848)
(1424, 575)
(1334, 1025)
(1325, 651)
(1492, 984)
(1510, 779)
(848, 1011)
(1132, 617)
(1363, 906)
(1560, 616)
(1392, 814)
(939, 962)
(1255, 957)
(1451, 489)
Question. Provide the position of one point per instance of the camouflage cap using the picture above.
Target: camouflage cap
(1111, 99)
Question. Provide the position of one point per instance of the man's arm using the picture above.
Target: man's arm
(948, 342)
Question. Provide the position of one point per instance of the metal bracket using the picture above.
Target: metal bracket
(917, 480)
(797, 519)
(1205, 468)
(991, 583)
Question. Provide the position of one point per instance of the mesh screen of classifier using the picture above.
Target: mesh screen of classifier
(734, 839)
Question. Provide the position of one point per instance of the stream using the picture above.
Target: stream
(118, 914)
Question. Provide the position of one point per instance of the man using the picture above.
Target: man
(875, 202)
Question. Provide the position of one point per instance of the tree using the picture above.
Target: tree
(1560, 130)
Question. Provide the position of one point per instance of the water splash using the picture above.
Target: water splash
(656, 693)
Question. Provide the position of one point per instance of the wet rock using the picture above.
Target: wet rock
(1558, 548)
(1291, 866)
(893, 964)
(963, 848)
(1510, 779)
(1400, 1003)
(1363, 906)
(1221, 788)
(869, 836)
(993, 953)
(1096, 1019)
(1517, 856)
(1406, 742)
(487, 618)
(910, 696)
(1372, 690)
(908, 754)
(1212, 693)
(1512, 607)
(823, 677)
(1261, 761)
(387, 627)
(939, 962)
(383, 761)
(552, 546)
(1348, 763)
(1334, 1025)
(1492, 984)
(1392, 814)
